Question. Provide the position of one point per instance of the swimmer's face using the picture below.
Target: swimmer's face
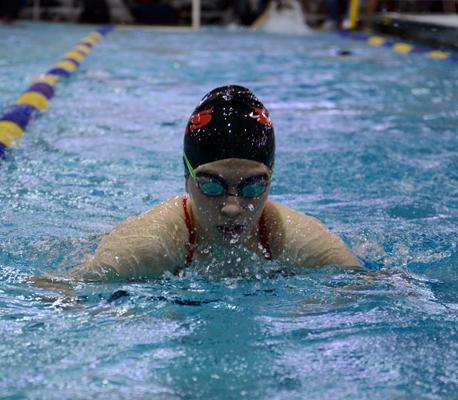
(227, 218)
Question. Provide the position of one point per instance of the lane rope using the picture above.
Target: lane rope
(399, 47)
(34, 100)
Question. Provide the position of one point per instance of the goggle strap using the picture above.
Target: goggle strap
(189, 166)
(270, 174)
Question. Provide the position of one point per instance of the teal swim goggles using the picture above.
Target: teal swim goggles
(213, 186)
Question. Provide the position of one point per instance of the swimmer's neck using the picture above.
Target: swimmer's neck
(206, 243)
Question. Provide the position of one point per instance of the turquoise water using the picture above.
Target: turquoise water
(366, 143)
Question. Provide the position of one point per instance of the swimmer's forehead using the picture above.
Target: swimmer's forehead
(234, 167)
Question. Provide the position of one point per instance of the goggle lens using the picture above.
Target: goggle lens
(212, 188)
(253, 190)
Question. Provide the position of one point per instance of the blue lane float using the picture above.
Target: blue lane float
(19, 114)
(42, 88)
(399, 47)
(15, 118)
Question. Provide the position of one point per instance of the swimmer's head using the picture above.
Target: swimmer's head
(229, 122)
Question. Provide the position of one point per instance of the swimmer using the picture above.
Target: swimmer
(226, 216)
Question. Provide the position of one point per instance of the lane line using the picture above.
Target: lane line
(15, 118)
(399, 47)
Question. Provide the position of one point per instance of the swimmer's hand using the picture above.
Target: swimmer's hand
(53, 284)
(368, 279)
(65, 294)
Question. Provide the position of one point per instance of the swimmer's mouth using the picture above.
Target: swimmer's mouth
(231, 231)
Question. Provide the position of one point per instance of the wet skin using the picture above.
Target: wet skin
(154, 242)
(227, 219)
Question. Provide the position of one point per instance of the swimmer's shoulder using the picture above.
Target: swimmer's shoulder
(163, 225)
(288, 227)
(284, 219)
(304, 239)
(167, 216)
(169, 213)
(146, 245)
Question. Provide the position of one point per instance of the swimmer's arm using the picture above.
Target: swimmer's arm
(118, 258)
(61, 281)
(53, 283)
(317, 246)
(140, 248)
(125, 257)
(308, 243)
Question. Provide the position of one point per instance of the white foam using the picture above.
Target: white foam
(289, 20)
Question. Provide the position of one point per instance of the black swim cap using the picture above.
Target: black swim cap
(229, 122)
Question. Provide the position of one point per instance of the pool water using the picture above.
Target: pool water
(366, 143)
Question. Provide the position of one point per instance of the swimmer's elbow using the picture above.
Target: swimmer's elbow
(337, 253)
(342, 257)
(338, 259)
(332, 251)
(92, 271)
(110, 267)
(347, 261)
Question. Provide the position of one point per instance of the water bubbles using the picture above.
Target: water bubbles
(234, 240)
(420, 91)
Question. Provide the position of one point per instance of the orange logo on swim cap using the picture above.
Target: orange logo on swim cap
(262, 116)
(199, 120)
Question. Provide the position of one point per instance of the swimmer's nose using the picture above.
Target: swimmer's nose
(231, 207)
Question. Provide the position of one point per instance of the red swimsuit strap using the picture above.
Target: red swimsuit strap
(190, 244)
(191, 233)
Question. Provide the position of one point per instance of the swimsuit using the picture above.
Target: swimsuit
(190, 244)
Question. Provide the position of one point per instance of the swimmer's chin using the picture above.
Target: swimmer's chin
(231, 234)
